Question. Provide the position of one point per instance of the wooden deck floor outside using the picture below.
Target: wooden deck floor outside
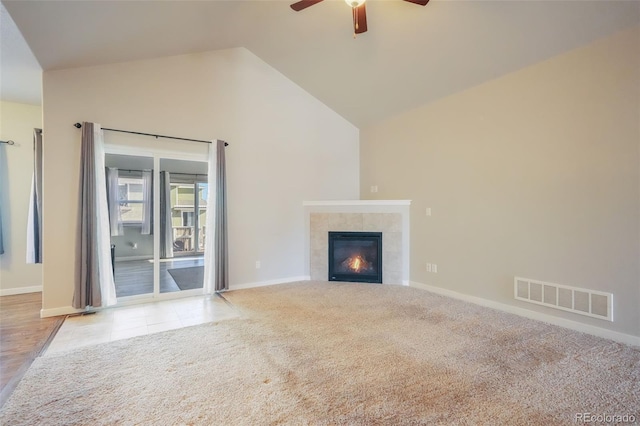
(135, 277)
(23, 337)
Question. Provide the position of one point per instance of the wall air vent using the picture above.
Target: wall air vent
(592, 303)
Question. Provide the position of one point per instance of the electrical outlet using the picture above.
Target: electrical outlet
(428, 267)
(374, 188)
(428, 211)
(258, 264)
(434, 268)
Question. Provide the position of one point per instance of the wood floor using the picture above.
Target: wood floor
(23, 337)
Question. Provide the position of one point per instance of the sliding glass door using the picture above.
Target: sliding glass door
(130, 208)
(157, 212)
(182, 267)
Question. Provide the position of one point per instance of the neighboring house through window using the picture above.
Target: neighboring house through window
(131, 200)
(188, 213)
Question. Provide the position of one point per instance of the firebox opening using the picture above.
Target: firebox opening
(355, 256)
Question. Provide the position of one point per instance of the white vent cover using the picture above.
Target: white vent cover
(592, 303)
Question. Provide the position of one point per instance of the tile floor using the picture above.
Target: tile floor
(130, 321)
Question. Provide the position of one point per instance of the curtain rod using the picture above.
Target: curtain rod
(78, 125)
(10, 142)
(186, 174)
(130, 170)
(150, 170)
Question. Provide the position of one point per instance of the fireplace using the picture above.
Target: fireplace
(355, 256)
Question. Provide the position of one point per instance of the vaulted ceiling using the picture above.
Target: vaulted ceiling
(410, 56)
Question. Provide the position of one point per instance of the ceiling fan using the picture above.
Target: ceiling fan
(358, 10)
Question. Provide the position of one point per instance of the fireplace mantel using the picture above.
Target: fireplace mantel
(391, 217)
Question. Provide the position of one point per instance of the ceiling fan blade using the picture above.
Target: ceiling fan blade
(360, 19)
(303, 4)
(420, 2)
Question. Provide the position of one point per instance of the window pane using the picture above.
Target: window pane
(187, 218)
(131, 197)
(122, 190)
(131, 212)
(185, 195)
(203, 189)
(135, 191)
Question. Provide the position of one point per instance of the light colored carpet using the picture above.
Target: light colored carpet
(337, 353)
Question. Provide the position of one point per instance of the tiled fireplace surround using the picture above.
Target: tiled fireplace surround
(391, 217)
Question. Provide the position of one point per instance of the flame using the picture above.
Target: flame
(356, 263)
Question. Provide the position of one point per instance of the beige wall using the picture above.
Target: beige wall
(534, 174)
(285, 147)
(17, 122)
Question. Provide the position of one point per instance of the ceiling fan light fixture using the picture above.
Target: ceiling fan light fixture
(354, 3)
(358, 11)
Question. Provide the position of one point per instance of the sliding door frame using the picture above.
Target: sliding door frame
(157, 154)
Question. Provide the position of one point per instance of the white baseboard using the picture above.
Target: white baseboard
(538, 316)
(56, 312)
(269, 282)
(20, 290)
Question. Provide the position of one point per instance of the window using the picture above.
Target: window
(187, 218)
(130, 198)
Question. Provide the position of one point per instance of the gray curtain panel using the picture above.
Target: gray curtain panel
(4, 193)
(221, 243)
(87, 286)
(37, 197)
(166, 230)
(1, 238)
